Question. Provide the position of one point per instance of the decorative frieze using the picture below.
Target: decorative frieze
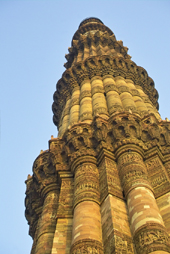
(109, 179)
(157, 176)
(151, 238)
(119, 243)
(88, 246)
(65, 203)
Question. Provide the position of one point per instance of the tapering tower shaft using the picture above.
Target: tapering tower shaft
(104, 184)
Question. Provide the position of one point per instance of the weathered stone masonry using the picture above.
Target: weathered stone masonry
(103, 186)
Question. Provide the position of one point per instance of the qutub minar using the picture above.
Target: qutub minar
(103, 186)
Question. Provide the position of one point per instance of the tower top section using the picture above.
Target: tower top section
(90, 20)
(93, 38)
(90, 25)
(95, 53)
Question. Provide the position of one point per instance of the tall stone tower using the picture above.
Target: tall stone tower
(103, 186)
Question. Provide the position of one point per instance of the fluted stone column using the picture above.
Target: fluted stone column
(65, 118)
(125, 95)
(117, 237)
(85, 102)
(63, 231)
(138, 99)
(98, 98)
(149, 105)
(47, 222)
(114, 103)
(87, 233)
(36, 231)
(147, 226)
(75, 106)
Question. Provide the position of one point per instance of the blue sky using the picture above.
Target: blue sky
(34, 38)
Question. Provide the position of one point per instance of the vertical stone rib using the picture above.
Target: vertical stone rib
(116, 231)
(139, 102)
(85, 101)
(146, 222)
(164, 207)
(36, 234)
(87, 233)
(140, 105)
(75, 106)
(142, 208)
(63, 231)
(125, 96)
(114, 103)
(47, 222)
(65, 119)
(150, 107)
(98, 98)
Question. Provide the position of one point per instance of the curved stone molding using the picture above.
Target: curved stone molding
(88, 246)
(44, 170)
(153, 239)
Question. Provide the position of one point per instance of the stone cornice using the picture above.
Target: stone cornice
(121, 130)
(83, 142)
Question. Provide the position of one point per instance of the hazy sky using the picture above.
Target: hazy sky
(34, 38)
